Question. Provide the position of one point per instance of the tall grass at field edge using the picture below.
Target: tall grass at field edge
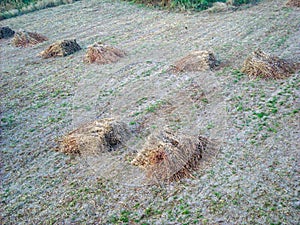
(12, 8)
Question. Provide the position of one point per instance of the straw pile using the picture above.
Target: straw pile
(168, 157)
(293, 3)
(93, 138)
(6, 32)
(195, 61)
(61, 49)
(103, 54)
(260, 64)
(25, 39)
(220, 7)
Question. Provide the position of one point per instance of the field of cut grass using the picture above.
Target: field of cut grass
(251, 177)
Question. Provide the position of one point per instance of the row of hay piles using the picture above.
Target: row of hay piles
(259, 64)
(166, 156)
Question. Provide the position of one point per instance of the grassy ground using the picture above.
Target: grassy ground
(252, 178)
(10, 9)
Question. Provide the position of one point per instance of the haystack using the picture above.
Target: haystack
(97, 137)
(219, 7)
(195, 61)
(260, 64)
(293, 3)
(25, 39)
(6, 32)
(168, 156)
(61, 49)
(103, 54)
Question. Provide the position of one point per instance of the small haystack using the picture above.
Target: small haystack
(195, 61)
(103, 54)
(61, 49)
(93, 138)
(6, 32)
(220, 7)
(260, 64)
(168, 157)
(293, 3)
(25, 39)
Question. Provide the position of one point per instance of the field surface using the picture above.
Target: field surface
(251, 176)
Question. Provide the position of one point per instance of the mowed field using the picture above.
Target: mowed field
(250, 177)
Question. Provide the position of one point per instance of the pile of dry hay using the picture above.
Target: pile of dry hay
(220, 7)
(93, 138)
(260, 64)
(293, 3)
(25, 39)
(103, 54)
(61, 49)
(6, 32)
(195, 61)
(168, 157)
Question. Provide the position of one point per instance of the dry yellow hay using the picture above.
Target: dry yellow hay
(94, 138)
(103, 54)
(260, 64)
(25, 39)
(293, 3)
(168, 156)
(6, 32)
(61, 49)
(219, 7)
(195, 61)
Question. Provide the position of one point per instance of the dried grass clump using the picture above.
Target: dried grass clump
(260, 64)
(168, 157)
(6, 32)
(195, 61)
(103, 54)
(293, 3)
(61, 49)
(25, 39)
(97, 137)
(220, 7)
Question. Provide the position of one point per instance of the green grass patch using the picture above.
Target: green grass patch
(188, 4)
(12, 8)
